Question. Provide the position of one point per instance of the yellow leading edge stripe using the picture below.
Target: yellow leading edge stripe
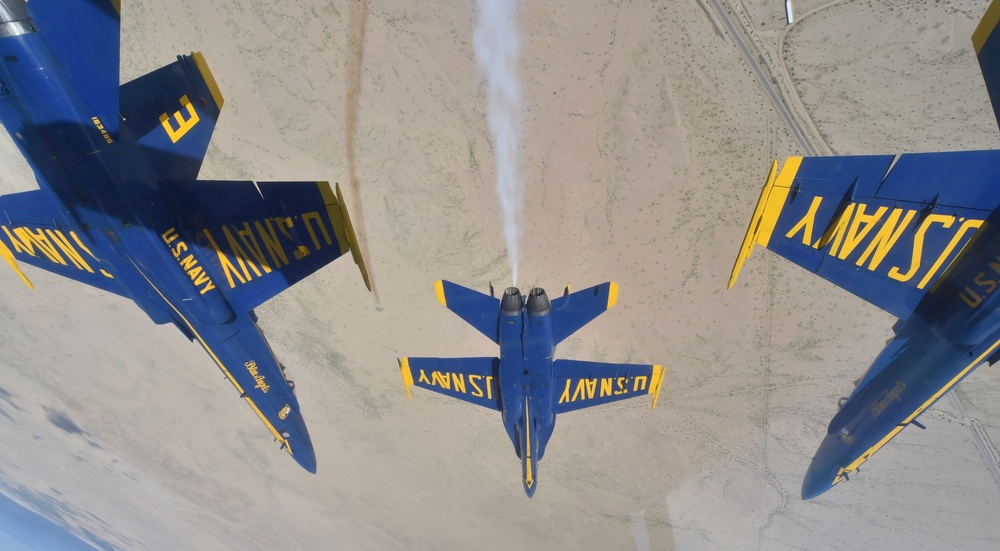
(404, 370)
(986, 26)
(9, 257)
(346, 232)
(439, 291)
(206, 74)
(654, 389)
(768, 210)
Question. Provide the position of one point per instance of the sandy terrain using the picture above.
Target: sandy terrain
(646, 141)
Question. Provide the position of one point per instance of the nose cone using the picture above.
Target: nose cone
(530, 487)
(824, 470)
(818, 480)
(300, 443)
(305, 456)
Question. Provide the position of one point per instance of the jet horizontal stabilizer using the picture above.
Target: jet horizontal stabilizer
(477, 309)
(573, 311)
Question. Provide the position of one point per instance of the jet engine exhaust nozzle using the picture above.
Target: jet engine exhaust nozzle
(14, 19)
(512, 302)
(538, 302)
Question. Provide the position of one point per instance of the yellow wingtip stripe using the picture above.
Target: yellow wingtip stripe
(986, 26)
(612, 295)
(654, 389)
(353, 239)
(404, 370)
(9, 257)
(439, 291)
(206, 74)
(766, 213)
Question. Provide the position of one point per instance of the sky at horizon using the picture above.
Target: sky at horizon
(22, 529)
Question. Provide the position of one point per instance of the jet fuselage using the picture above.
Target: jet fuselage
(954, 329)
(525, 385)
(114, 222)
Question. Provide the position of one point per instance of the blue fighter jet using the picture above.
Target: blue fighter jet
(917, 235)
(525, 384)
(120, 207)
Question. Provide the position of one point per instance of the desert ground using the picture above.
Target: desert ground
(646, 141)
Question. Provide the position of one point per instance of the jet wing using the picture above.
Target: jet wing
(34, 232)
(473, 380)
(573, 311)
(256, 239)
(881, 227)
(582, 384)
(85, 36)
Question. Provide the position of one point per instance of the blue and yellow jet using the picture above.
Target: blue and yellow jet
(525, 384)
(917, 235)
(119, 206)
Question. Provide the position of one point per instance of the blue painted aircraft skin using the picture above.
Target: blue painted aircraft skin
(917, 235)
(525, 384)
(119, 206)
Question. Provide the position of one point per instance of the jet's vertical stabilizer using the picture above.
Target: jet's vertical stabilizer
(172, 113)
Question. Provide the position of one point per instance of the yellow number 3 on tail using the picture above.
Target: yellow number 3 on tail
(183, 125)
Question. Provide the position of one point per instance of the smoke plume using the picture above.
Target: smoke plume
(497, 48)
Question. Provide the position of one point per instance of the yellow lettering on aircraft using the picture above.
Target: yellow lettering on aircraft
(456, 382)
(53, 245)
(866, 235)
(100, 126)
(985, 282)
(807, 223)
(252, 250)
(861, 225)
(886, 238)
(601, 387)
(183, 124)
(918, 246)
(187, 261)
(254, 372)
(836, 231)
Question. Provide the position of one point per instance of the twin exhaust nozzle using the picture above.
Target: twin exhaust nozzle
(512, 302)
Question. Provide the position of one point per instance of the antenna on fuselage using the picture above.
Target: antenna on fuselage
(491, 290)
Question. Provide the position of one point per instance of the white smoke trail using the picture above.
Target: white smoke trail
(497, 48)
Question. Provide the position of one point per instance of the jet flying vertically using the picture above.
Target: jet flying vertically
(917, 235)
(525, 384)
(120, 207)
